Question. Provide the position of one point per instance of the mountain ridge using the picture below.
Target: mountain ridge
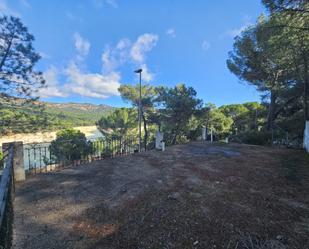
(18, 116)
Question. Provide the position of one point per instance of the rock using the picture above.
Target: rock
(195, 243)
(174, 196)
(122, 191)
(196, 195)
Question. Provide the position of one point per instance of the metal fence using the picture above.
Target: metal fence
(7, 189)
(41, 157)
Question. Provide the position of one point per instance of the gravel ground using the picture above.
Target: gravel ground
(190, 196)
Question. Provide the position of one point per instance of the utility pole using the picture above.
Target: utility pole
(139, 71)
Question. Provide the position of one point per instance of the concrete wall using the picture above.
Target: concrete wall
(306, 137)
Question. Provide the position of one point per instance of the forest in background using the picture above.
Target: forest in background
(272, 55)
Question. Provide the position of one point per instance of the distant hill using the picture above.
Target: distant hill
(18, 117)
(89, 113)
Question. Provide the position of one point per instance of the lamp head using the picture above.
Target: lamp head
(138, 71)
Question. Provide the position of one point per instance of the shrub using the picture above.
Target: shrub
(70, 145)
(252, 137)
(193, 135)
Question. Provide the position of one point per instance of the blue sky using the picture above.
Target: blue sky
(90, 47)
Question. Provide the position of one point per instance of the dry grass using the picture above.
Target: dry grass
(191, 196)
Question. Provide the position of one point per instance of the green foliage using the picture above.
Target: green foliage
(149, 95)
(247, 116)
(70, 145)
(18, 78)
(288, 6)
(18, 118)
(252, 137)
(214, 119)
(17, 59)
(74, 114)
(273, 55)
(181, 116)
(179, 104)
(130, 94)
(119, 123)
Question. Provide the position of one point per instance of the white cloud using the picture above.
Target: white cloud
(69, 15)
(143, 44)
(205, 45)
(146, 74)
(112, 3)
(171, 33)
(109, 63)
(134, 53)
(92, 85)
(25, 3)
(3, 6)
(74, 18)
(5, 9)
(123, 44)
(52, 88)
(44, 55)
(114, 57)
(82, 45)
(99, 3)
(99, 85)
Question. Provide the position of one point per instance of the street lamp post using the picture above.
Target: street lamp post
(139, 71)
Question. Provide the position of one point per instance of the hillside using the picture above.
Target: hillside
(88, 113)
(20, 117)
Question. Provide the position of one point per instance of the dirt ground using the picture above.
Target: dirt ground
(190, 196)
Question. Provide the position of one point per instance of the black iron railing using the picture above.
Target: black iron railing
(40, 157)
(7, 189)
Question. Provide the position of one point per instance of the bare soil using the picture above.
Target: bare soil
(190, 196)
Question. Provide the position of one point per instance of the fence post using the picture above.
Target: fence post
(18, 160)
(159, 140)
(204, 134)
(306, 136)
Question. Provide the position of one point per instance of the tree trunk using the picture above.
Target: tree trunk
(271, 110)
(174, 139)
(6, 53)
(146, 131)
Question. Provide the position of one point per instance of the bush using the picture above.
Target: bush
(193, 135)
(252, 137)
(70, 145)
